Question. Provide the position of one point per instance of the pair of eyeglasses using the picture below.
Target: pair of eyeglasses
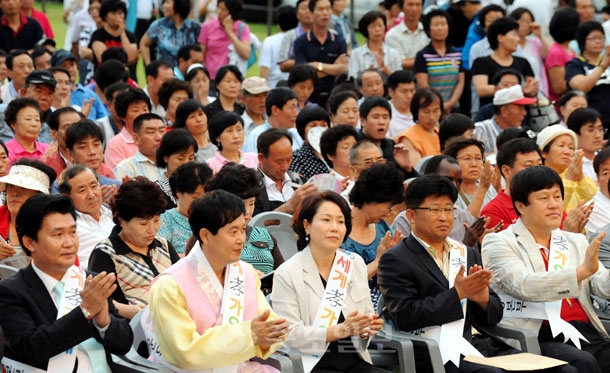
(449, 211)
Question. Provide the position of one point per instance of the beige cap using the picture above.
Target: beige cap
(255, 85)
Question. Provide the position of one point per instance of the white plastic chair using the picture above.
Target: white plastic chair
(279, 225)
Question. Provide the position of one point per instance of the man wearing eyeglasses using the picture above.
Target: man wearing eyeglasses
(436, 287)
(552, 273)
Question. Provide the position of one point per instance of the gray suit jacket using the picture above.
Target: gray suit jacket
(297, 294)
(514, 257)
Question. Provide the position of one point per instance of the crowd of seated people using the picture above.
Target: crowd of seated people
(443, 163)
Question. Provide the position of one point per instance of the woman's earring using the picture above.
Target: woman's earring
(307, 237)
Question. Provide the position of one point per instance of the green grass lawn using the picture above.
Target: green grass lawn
(54, 13)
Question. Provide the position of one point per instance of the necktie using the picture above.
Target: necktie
(58, 290)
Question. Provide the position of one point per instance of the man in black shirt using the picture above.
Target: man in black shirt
(16, 30)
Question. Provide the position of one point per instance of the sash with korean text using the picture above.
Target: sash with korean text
(559, 259)
(450, 336)
(333, 299)
(70, 299)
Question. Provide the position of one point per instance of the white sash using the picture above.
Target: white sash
(333, 299)
(231, 310)
(450, 336)
(559, 260)
(70, 299)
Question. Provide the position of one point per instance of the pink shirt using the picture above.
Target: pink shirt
(556, 57)
(120, 147)
(249, 160)
(217, 43)
(16, 151)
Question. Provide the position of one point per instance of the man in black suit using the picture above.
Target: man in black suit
(35, 335)
(427, 277)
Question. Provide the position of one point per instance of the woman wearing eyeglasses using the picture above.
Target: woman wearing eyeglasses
(475, 190)
(589, 71)
(377, 189)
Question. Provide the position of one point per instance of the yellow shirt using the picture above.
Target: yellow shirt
(575, 191)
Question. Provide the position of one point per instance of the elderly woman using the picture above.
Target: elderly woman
(223, 36)
(177, 148)
(302, 284)
(422, 139)
(260, 248)
(190, 115)
(307, 161)
(200, 321)
(335, 145)
(475, 191)
(569, 102)
(589, 71)
(439, 65)
(171, 94)
(374, 53)
(25, 179)
(199, 80)
(23, 116)
(228, 84)
(376, 191)
(559, 146)
(170, 32)
(187, 184)
(343, 108)
(133, 251)
(227, 133)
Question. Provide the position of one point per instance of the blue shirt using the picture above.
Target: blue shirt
(170, 39)
(80, 94)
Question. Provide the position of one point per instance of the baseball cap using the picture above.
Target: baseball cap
(255, 85)
(60, 56)
(41, 77)
(512, 95)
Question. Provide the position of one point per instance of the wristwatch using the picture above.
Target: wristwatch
(86, 313)
(320, 66)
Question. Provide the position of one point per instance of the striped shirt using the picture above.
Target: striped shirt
(442, 71)
(138, 165)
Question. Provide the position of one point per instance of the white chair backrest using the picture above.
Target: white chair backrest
(7, 271)
(279, 225)
(138, 332)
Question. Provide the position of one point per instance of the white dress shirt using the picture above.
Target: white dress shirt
(91, 232)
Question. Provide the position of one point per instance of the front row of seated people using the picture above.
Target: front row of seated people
(206, 311)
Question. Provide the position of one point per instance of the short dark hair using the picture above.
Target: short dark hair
(331, 138)
(309, 114)
(461, 144)
(188, 177)
(308, 208)
(495, 80)
(57, 69)
(109, 72)
(83, 129)
(488, 9)
(174, 141)
(581, 117)
(601, 157)
(234, 7)
(215, 210)
(186, 108)
(220, 122)
(140, 119)
(433, 165)
(454, 125)
(115, 53)
(224, 70)
(429, 186)
(287, 17)
(137, 198)
(278, 97)
(152, 69)
(16, 53)
(335, 100)
(33, 211)
(563, 24)
(128, 97)
(15, 106)
(39, 51)
(436, 13)
(185, 51)
(244, 182)
(369, 18)
(63, 181)
(270, 137)
(566, 97)
(423, 98)
(182, 8)
(169, 87)
(507, 153)
(584, 29)
(114, 88)
(54, 117)
(193, 72)
(517, 13)
(380, 183)
(501, 26)
(373, 102)
(302, 73)
(112, 6)
(360, 76)
(312, 4)
(530, 180)
(399, 77)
